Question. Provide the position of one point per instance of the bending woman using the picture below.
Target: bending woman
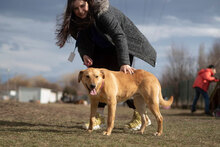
(105, 38)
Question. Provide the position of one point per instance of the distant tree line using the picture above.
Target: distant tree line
(22, 80)
(67, 83)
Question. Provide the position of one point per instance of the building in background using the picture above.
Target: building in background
(36, 94)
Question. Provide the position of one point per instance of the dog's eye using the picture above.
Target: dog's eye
(87, 76)
(96, 76)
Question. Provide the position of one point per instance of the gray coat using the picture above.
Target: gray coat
(121, 32)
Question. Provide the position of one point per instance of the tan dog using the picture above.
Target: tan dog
(112, 87)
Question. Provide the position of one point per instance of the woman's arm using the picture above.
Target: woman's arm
(84, 44)
(110, 25)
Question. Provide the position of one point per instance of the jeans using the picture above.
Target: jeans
(205, 95)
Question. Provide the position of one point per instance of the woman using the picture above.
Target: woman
(105, 38)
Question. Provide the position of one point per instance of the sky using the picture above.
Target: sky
(27, 33)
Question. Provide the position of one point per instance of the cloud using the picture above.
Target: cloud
(28, 45)
(26, 27)
(172, 30)
(179, 28)
(216, 18)
(24, 60)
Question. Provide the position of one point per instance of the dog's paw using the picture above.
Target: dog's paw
(106, 133)
(90, 131)
(157, 134)
(141, 132)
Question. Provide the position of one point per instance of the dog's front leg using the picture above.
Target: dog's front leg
(111, 116)
(94, 105)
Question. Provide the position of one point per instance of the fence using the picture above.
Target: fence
(185, 94)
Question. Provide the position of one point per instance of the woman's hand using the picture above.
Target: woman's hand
(87, 61)
(127, 69)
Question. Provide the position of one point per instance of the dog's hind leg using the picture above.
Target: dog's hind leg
(151, 96)
(140, 105)
(155, 110)
(94, 106)
(154, 107)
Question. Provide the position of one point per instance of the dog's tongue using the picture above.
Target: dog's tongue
(93, 92)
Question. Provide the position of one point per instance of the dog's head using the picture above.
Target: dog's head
(92, 79)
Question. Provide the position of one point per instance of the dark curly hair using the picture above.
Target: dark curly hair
(69, 24)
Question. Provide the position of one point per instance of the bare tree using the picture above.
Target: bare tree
(214, 55)
(202, 58)
(70, 81)
(181, 67)
(65, 79)
(19, 80)
(40, 81)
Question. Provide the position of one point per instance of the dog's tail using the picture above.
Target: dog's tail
(164, 102)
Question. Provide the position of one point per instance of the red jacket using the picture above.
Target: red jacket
(203, 79)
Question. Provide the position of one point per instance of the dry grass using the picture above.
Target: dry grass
(28, 124)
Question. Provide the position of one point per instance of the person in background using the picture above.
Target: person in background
(201, 85)
(105, 38)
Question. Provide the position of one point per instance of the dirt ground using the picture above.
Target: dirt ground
(31, 124)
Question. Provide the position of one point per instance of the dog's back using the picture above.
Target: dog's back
(126, 85)
(139, 76)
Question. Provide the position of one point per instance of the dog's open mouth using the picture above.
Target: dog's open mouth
(92, 91)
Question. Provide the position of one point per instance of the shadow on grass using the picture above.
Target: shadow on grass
(189, 115)
(38, 130)
(23, 127)
(14, 124)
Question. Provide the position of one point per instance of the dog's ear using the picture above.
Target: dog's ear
(80, 76)
(103, 74)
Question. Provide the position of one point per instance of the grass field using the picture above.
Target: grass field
(56, 125)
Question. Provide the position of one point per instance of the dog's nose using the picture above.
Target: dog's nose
(92, 86)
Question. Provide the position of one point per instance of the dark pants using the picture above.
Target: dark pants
(205, 95)
(107, 58)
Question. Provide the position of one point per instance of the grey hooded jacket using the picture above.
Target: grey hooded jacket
(121, 32)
